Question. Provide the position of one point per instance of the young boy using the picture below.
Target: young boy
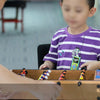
(77, 35)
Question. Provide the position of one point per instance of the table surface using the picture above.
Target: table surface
(70, 91)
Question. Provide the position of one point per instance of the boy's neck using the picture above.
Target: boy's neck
(77, 30)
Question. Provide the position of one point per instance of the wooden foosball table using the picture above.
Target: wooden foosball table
(89, 89)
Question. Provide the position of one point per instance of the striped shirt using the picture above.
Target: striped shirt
(63, 43)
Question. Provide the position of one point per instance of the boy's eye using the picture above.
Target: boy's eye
(67, 9)
(78, 11)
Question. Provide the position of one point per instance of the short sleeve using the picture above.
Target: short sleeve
(52, 54)
(53, 51)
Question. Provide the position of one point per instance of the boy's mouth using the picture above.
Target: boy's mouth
(72, 22)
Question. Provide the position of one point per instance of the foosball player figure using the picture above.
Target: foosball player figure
(23, 72)
(82, 76)
(45, 75)
(41, 75)
(62, 76)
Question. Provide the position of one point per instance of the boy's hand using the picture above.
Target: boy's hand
(47, 64)
(93, 65)
(43, 66)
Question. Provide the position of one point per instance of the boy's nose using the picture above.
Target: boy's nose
(72, 14)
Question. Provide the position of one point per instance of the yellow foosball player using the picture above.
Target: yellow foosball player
(82, 76)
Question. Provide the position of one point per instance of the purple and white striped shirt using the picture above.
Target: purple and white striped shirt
(63, 43)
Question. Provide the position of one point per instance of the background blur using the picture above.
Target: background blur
(42, 18)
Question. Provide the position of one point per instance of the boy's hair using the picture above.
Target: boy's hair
(91, 3)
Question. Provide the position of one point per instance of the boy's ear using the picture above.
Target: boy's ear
(60, 3)
(92, 12)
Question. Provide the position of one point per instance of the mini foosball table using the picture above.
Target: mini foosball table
(72, 87)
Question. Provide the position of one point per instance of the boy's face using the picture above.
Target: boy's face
(76, 12)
